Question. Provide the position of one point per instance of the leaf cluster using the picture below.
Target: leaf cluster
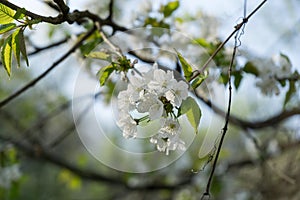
(120, 64)
(12, 26)
(161, 19)
(188, 72)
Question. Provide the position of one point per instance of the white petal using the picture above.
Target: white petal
(170, 96)
(156, 111)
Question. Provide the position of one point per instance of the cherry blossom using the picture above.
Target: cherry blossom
(157, 95)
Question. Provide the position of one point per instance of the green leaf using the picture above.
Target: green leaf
(90, 43)
(179, 20)
(190, 107)
(202, 42)
(187, 68)
(72, 181)
(7, 27)
(237, 79)
(223, 78)
(282, 83)
(20, 14)
(15, 44)
(32, 22)
(286, 59)
(292, 90)
(6, 55)
(169, 8)
(198, 80)
(109, 91)
(99, 55)
(6, 14)
(251, 69)
(104, 73)
(22, 46)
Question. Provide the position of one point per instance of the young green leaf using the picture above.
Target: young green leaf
(20, 14)
(286, 60)
(6, 14)
(223, 79)
(190, 107)
(104, 73)
(202, 42)
(187, 68)
(6, 55)
(251, 69)
(197, 81)
(170, 8)
(99, 55)
(22, 46)
(6, 27)
(30, 23)
(292, 91)
(237, 79)
(15, 44)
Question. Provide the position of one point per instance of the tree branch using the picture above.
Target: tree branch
(52, 20)
(259, 124)
(63, 7)
(76, 16)
(250, 162)
(37, 152)
(40, 77)
(34, 150)
(71, 128)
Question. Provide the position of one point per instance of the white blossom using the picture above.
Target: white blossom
(156, 110)
(166, 144)
(170, 127)
(282, 65)
(157, 95)
(268, 85)
(161, 81)
(177, 93)
(150, 103)
(167, 138)
(276, 68)
(124, 101)
(128, 125)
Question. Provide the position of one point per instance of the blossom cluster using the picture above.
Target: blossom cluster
(155, 95)
(279, 67)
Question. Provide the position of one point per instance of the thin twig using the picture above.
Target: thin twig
(71, 128)
(110, 10)
(206, 194)
(56, 111)
(40, 77)
(225, 128)
(236, 29)
(281, 174)
(55, 44)
(110, 44)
